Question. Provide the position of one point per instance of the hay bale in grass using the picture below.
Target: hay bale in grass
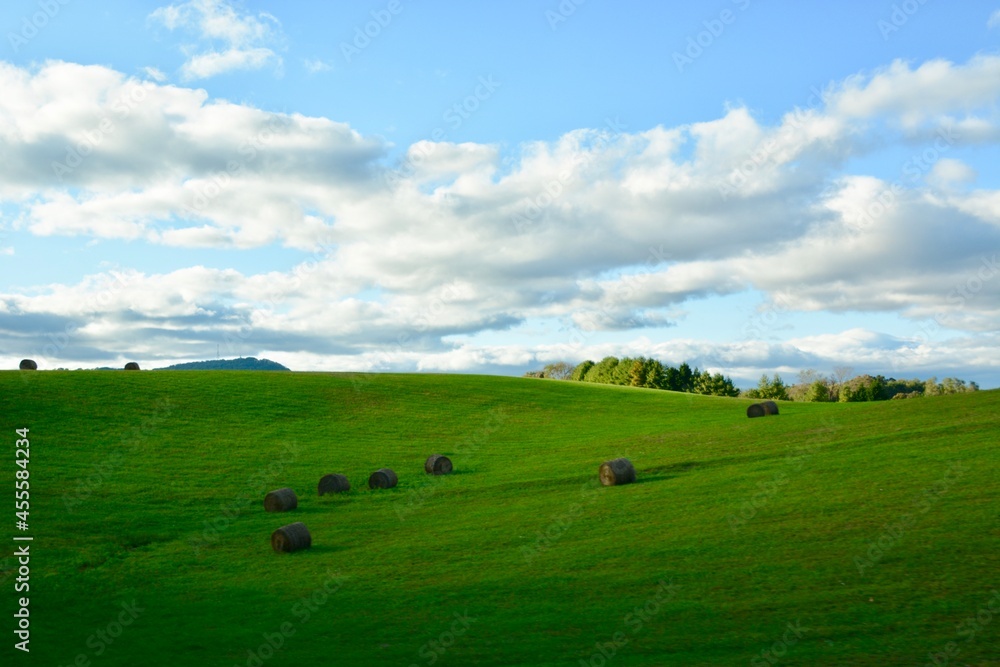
(28, 365)
(617, 471)
(756, 410)
(770, 407)
(333, 484)
(383, 478)
(131, 366)
(293, 537)
(280, 500)
(436, 464)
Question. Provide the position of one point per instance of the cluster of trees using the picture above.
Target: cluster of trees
(241, 364)
(844, 387)
(642, 372)
(813, 386)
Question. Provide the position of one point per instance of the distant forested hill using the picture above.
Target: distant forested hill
(241, 364)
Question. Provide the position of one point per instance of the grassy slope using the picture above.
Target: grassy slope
(175, 449)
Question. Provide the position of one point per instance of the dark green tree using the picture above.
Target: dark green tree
(654, 374)
(602, 372)
(818, 392)
(581, 370)
(773, 389)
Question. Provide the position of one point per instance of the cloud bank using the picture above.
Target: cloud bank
(412, 263)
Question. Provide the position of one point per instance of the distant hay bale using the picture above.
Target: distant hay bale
(383, 478)
(281, 500)
(756, 410)
(617, 471)
(293, 537)
(333, 484)
(131, 366)
(436, 464)
(28, 365)
(770, 407)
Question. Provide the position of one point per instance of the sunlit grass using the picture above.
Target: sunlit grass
(149, 487)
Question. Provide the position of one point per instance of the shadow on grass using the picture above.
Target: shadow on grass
(323, 505)
(663, 473)
(457, 471)
(647, 478)
(318, 549)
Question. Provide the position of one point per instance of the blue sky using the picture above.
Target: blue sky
(488, 187)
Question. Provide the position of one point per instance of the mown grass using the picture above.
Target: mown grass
(148, 487)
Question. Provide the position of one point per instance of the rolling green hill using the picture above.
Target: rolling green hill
(831, 534)
(240, 364)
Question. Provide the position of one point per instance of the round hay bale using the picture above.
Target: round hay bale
(617, 471)
(281, 500)
(28, 365)
(436, 464)
(333, 484)
(770, 407)
(131, 366)
(383, 478)
(756, 410)
(293, 537)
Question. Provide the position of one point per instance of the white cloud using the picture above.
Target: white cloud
(316, 65)
(206, 65)
(229, 39)
(155, 74)
(597, 231)
(994, 19)
(948, 171)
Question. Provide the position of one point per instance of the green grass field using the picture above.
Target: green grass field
(832, 534)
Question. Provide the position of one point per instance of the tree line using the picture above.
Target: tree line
(641, 372)
(842, 385)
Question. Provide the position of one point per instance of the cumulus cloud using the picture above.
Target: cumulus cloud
(947, 172)
(228, 39)
(598, 232)
(316, 65)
